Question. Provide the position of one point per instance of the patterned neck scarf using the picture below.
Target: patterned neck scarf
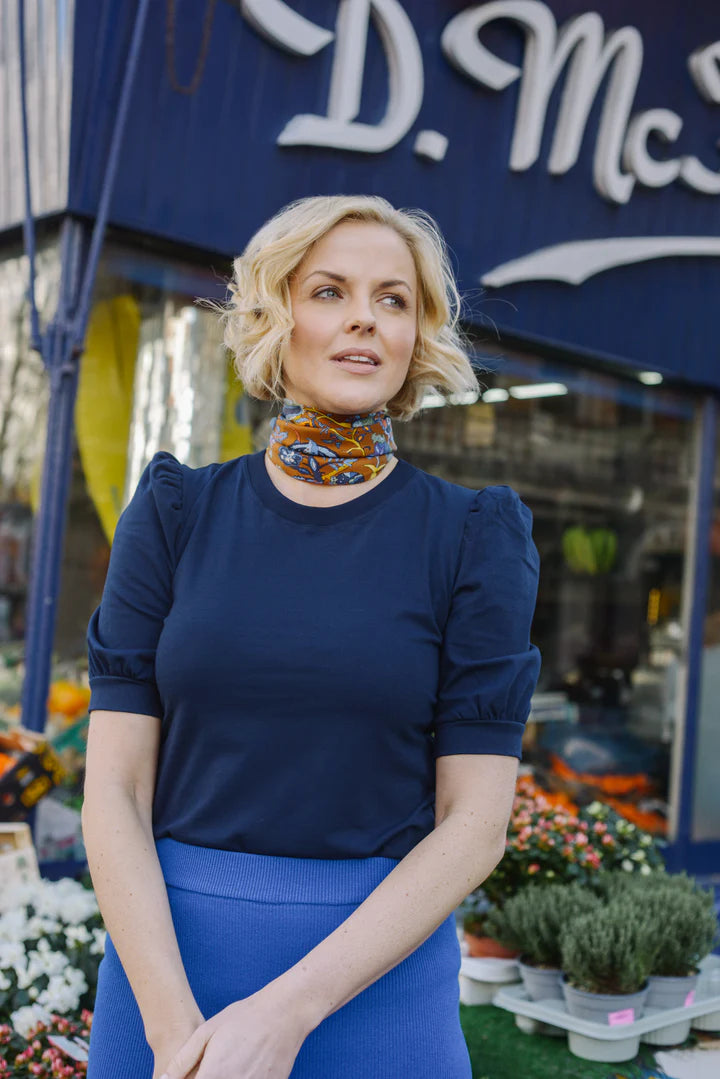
(322, 447)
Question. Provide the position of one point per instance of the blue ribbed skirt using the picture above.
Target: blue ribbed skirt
(242, 920)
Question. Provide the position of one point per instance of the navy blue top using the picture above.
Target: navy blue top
(309, 663)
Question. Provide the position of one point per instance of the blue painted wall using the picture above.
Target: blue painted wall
(206, 170)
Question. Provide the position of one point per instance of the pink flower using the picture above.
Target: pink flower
(607, 840)
(525, 834)
(583, 826)
(581, 839)
(568, 852)
(599, 827)
(593, 858)
(534, 867)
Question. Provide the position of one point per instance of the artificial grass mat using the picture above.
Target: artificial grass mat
(499, 1050)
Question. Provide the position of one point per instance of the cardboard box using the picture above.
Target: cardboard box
(37, 770)
(18, 861)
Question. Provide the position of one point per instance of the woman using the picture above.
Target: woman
(310, 671)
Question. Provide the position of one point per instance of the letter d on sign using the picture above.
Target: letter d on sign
(405, 68)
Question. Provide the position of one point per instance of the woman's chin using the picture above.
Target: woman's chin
(348, 403)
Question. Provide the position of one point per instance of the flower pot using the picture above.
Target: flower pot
(672, 1034)
(615, 1052)
(541, 983)
(480, 978)
(671, 992)
(487, 948)
(611, 1009)
(710, 1022)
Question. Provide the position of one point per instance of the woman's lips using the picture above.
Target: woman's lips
(359, 367)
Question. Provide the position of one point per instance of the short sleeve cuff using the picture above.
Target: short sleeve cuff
(112, 694)
(501, 737)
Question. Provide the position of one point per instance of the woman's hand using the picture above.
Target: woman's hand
(172, 1039)
(250, 1039)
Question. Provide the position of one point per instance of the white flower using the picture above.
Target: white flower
(645, 870)
(595, 808)
(646, 840)
(98, 948)
(64, 991)
(12, 952)
(5, 983)
(638, 856)
(37, 927)
(13, 925)
(627, 865)
(46, 962)
(25, 1019)
(77, 934)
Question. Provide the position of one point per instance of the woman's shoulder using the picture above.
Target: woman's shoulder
(165, 473)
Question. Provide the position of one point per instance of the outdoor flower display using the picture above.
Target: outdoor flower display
(44, 1049)
(550, 842)
(51, 944)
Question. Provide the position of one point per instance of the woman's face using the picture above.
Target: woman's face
(354, 293)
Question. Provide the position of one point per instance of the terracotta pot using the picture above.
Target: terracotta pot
(487, 948)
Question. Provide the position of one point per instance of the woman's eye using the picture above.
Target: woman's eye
(399, 301)
(328, 288)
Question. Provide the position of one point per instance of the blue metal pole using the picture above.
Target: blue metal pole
(49, 531)
(703, 505)
(61, 347)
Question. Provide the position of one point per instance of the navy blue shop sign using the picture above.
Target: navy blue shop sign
(567, 148)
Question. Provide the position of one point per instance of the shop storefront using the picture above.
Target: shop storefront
(567, 151)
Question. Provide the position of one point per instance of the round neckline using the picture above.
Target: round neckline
(276, 501)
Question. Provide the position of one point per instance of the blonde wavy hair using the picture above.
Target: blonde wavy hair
(258, 317)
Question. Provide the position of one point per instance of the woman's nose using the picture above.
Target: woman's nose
(361, 320)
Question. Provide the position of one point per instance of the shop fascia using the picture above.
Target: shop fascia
(581, 48)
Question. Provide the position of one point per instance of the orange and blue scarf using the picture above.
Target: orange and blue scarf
(323, 447)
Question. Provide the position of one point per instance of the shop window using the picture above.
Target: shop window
(154, 376)
(605, 464)
(23, 410)
(706, 789)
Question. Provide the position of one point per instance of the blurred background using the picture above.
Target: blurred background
(567, 151)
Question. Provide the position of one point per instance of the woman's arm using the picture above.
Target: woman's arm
(117, 828)
(474, 796)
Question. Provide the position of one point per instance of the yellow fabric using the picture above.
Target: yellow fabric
(104, 403)
(236, 437)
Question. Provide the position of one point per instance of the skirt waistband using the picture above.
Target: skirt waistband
(268, 878)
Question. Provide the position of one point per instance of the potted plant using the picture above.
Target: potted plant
(607, 955)
(480, 944)
(551, 844)
(684, 925)
(531, 922)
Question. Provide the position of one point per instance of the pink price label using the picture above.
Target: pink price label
(621, 1019)
(690, 998)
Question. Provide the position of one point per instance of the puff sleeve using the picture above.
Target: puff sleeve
(488, 667)
(124, 630)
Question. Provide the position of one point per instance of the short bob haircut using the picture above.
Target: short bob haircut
(258, 317)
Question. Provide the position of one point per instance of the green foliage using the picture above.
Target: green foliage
(611, 949)
(679, 912)
(549, 845)
(475, 923)
(531, 921)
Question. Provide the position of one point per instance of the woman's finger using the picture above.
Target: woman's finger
(188, 1057)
